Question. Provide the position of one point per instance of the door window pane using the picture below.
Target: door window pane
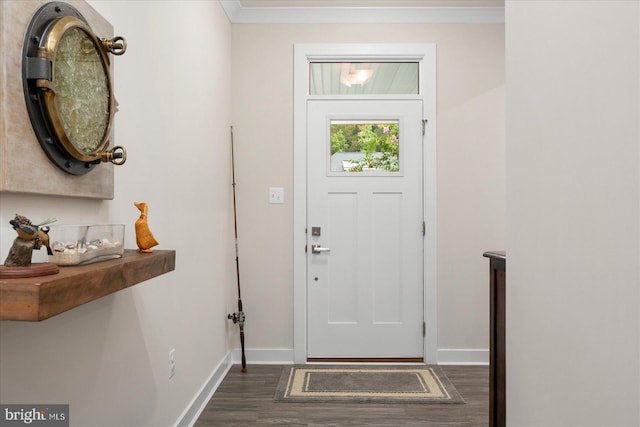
(363, 78)
(365, 146)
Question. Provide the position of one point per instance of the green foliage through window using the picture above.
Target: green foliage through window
(376, 143)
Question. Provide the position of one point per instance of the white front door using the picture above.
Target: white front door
(365, 229)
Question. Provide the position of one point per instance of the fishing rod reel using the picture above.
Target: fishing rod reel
(237, 318)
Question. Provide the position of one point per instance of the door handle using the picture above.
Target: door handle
(316, 249)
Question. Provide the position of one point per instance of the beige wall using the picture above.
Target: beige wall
(573, 295)
(471, 183)
(109, 359)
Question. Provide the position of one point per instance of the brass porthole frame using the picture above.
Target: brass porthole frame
(42, 41)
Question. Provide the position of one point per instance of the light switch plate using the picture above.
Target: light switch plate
(276, 195)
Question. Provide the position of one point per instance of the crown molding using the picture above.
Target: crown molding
(238, 14)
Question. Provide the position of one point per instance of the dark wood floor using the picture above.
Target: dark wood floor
(247, 400)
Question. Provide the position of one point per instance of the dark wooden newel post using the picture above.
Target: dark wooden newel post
(497, 368)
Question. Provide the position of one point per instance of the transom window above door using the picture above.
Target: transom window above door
(363, 78)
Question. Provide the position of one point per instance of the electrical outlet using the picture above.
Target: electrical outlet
(172, 362)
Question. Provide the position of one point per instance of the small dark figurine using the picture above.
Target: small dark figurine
(30, 237)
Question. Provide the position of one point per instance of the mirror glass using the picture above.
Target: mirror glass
(82, 90)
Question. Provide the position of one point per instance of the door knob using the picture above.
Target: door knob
(316, 249)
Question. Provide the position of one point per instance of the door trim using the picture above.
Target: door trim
(303, 54)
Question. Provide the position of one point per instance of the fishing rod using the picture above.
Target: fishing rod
(239, 316)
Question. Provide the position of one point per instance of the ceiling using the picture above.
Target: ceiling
(372, 3)
(364, 11)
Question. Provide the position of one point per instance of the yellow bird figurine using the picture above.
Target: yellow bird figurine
(144, 238)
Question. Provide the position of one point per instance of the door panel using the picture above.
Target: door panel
(342, 296)
(386, 268)
(365, 295)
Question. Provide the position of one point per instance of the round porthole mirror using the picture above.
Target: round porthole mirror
(68, 90)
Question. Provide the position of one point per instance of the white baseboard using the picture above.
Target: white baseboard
(463, 356)
(198, 403)
(284, 356)
(264, 356)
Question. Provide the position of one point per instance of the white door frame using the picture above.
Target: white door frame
(303, 54)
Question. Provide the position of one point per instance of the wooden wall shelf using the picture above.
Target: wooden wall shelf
(38, 298)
